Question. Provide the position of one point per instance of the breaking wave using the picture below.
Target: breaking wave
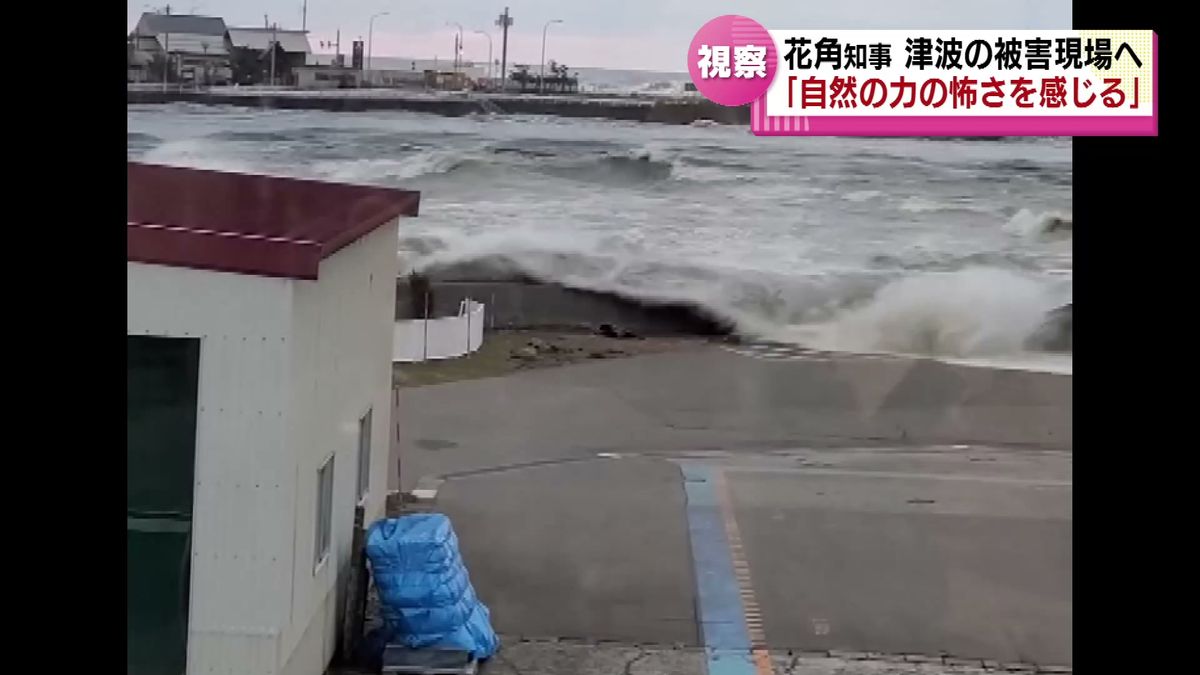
(364, 156)
(392, 170)
(972, 311)
(636, 167)
(871, 245)
(138, 142)
(923, 205)
(977, 311)
(1042, 226)
(196, 153)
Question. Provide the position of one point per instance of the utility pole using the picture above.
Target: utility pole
(204, 46)
(504, 22)
(166, 54)
(274, 48)
(304, 16)
(166, 59)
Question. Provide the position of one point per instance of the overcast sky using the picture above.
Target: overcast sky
(636, 34)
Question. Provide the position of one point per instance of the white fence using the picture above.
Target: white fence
(445, 338)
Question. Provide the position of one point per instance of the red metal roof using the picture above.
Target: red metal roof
(250, 224)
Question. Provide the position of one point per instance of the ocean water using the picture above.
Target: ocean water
(952, 248)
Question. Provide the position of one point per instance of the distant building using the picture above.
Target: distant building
(250, 54)
(260, 325)
(327, 77)
(556, 81)
(190, 48)
(392, 71)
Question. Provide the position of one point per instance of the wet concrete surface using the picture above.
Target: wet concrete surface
(566, 657)
(884, 506)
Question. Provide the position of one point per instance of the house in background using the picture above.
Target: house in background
(259, 344)
(191, 48)
(250, 54)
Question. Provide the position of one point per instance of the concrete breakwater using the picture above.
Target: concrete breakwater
(519, 303)
(665, 111)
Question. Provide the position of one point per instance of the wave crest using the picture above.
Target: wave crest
(1044, 226)
(977, 311)
(968, 312)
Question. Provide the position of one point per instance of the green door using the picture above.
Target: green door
(160, 467)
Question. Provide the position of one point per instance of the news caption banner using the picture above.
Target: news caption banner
(930, 83)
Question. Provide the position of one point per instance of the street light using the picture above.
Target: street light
(370, 31)
(458, 45)
(542, 78)
(489, 37)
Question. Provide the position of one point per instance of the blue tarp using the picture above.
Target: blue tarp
(424, 590)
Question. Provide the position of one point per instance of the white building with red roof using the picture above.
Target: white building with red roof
(260, 326)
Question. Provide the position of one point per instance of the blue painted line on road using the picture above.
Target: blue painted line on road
(722, 622)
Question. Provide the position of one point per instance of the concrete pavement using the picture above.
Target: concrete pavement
(711, 398)
(876, 505)
(594, 550)
(910, 562)
(566, 657)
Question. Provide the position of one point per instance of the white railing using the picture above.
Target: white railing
(443, 338)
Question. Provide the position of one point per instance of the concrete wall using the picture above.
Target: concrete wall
(340, 361)
(518, 304)
(315, 78)
(244, 474)
(637, 110)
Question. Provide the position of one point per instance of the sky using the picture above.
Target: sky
(626, 34)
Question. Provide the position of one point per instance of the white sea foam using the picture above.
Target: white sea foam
(862, 195)
(974, 312)
(195, 153)
(1041, 226)
(400, 168)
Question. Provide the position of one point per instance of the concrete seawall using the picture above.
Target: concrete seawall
(666, 111)
(525, 304)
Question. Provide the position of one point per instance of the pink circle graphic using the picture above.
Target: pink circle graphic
(727, 60)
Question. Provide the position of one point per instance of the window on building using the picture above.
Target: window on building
(324, 510)
(364, 455)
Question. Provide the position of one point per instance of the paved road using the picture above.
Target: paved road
(868, 505)
(540, 657)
